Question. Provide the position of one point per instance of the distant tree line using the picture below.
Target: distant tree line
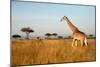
(28, 30)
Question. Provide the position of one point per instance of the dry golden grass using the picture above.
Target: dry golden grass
(25, 52)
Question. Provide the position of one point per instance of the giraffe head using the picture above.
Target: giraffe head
(63, 18)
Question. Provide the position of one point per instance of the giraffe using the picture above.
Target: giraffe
(77, 35)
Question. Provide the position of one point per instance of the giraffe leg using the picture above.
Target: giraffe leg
(73, 43)
(76, 43)
(81, 43)
(85, 41)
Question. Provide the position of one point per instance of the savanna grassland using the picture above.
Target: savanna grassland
(24, 52)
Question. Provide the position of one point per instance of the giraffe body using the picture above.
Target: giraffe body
(77, 35)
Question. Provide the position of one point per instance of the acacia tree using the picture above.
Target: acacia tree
(60, 37)
(16, 36)
(48, 34)
(69, 37)
(55, 34)
(90, 36)
(27, 31)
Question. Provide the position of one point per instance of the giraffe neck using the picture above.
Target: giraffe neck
(72, 27)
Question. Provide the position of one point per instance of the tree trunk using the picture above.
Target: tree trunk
(27, 35)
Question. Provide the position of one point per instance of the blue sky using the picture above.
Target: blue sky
(45, 17)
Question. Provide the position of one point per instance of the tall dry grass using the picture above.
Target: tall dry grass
(24, 52)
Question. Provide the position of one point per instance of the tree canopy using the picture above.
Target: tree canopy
(54, 34)
(16, 36)
(29, 30)
(60, 37)
(48, 34)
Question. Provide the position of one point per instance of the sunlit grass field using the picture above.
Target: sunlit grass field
(47, 51)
